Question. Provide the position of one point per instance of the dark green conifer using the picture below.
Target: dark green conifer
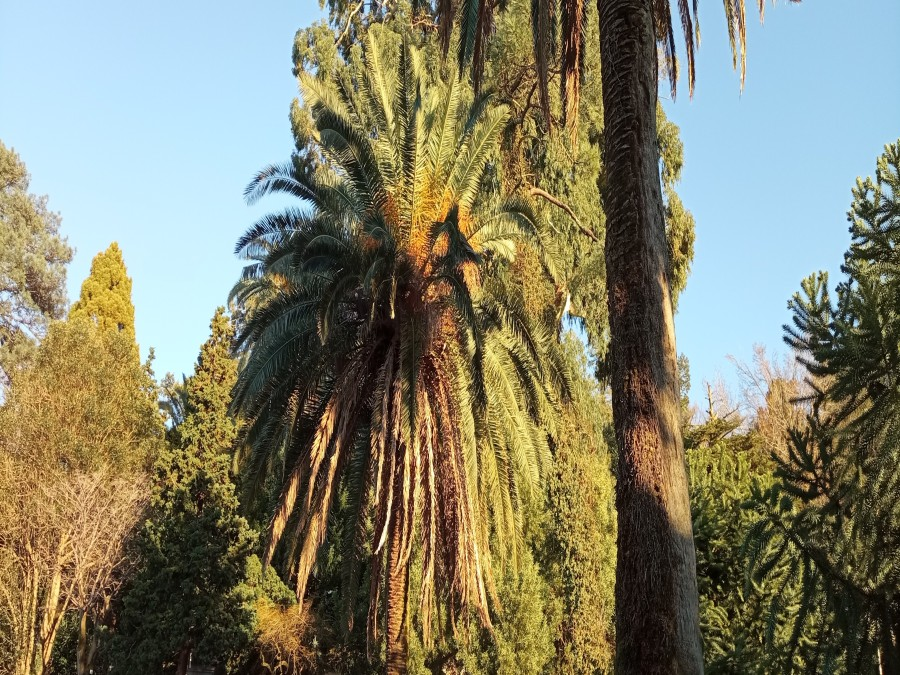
(189, 598)
(832, 521)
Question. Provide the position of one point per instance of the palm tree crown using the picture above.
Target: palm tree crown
(381, 349)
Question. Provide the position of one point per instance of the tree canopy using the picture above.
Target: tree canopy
(386, 350)
(189, 597)
(33, 259)
(830, 522)
(106, 293)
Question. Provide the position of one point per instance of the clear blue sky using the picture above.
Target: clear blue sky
(768, 172)
(144, 122)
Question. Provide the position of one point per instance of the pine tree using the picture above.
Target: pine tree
(189, 598)
(106, 293)
(33, 259)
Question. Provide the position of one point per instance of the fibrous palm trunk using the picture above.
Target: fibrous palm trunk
(657, 622)
(397, 583)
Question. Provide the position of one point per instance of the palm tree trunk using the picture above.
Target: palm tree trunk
(657, 617)
(395, 603)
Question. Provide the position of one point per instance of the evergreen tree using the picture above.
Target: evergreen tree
(733, 617)
(578, 552)
(106, 293)
(831, 522)
(189, 598)
(33, 259)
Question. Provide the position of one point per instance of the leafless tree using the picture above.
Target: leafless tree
(62, 548)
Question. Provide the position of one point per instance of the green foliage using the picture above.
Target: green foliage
(522, 641)
(679, 221)
(579, 547)
(106, 293)
(732, 614)
(65, 650)
(537, 151)
(267, 584)
(190, 592)
(831, 522)
(85, 401)
(33, 259)
(207, 427)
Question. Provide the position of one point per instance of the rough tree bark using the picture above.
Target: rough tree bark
(657, 617)
(82, 652)
(88, 638)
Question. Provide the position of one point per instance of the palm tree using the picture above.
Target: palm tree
(383, 352)
(657, 622)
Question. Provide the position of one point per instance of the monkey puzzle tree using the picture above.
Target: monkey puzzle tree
(832, 520)
(380, 349)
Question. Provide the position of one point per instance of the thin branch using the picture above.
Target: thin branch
(535, 191)
(346, 31)
(425, 23)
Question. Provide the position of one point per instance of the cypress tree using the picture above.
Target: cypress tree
(190, 600)
(106, 293)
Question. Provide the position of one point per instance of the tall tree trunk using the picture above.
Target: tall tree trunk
(26, 627)
(395, 602)
(89, 640)
(54, 609)
(184, 659)
(87, 643)
(657, 617)
(81, 651)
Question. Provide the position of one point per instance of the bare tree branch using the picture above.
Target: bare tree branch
(586, 231)
(346, 31)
